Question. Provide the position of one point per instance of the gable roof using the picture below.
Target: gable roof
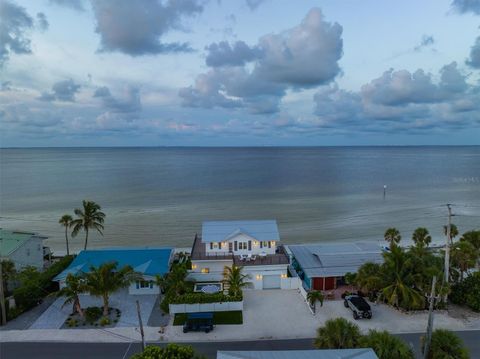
(334, 260)
(10, 241)
(364, 353)
(147, 261)
(219, 231)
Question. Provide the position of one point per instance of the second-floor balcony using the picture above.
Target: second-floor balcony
(199, 253)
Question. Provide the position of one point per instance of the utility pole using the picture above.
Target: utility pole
(141, 326)
(2, 295)
(428, 335)
(447, 247)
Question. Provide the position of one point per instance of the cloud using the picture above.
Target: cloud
(302, 57)
(42, 21)
(464, 6)
(254, 4)
(128, 102)
(427, 40)
(6, 86)
(136, 27)
(223, 54)
(73, 4)
(61, 91)
(474, 58)
(14, 26)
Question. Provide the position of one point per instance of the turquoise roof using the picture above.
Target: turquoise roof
(148, 261)
(10, 241)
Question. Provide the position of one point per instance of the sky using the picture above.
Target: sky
(239, 73)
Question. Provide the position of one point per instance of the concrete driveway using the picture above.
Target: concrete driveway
(283, 314)
(55, 315)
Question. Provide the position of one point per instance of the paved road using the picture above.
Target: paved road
(54, 350)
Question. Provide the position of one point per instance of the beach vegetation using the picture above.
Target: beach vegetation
(446, 344)
(89, 217)
(106, 279)
(235, 280)
(464, 256)
(386, 345)
(337, 333)
(314, 296)
(170, 351)
(421, 237)
(8, 274)
(392, 236)
(466, 292)
(74, 286)
(66, 221)
(472, 237)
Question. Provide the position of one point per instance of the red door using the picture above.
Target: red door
(318, 283)
(330, 283)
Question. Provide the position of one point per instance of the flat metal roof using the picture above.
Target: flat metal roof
(364, 353)
(334, 260)
(219, 231)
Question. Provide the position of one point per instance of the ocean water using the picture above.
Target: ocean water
(160, 196)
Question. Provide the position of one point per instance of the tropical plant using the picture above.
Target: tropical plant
(337, 333)
(453, 230)
(392, 236)
(66, 221)
(106, 279)
(464, 256)
(421, 237)
(466, 292)
(473, 237)
(400, 277)
(313, 297)
(235, 279)
(74, 286)
(386, 345)
(369, 278)
(171, 351)
(88, 217)
(8, 272)
(446, 345)
(350, 279)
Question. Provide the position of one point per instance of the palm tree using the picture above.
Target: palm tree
(453, 230)
(313, 296)
(175, 279)
(392, 236)
(337, 334)
(421, 237)
(235, 279)
(472, 237)
(90, 217)
(368, 277)
(350, 279)
(66, 221)
(106, 279)
(464, 256)
(74, 286)
(386, 346)
(400, 275)
(446, 344)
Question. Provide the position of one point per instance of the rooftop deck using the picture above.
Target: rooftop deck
(199, 253)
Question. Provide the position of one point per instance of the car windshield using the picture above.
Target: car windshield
(360, 303)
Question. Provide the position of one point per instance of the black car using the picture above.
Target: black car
(198, 322)
(359, 306)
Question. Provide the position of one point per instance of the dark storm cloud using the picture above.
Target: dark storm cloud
(464, 6)
(42, 22)
(427, 40)
(73, 4)
(223, 54)
(302, 57)
(61, 91)
(14, 26)
(136, 27)
(130, 102)
(474, 58)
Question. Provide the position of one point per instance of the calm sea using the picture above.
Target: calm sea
(160, 196)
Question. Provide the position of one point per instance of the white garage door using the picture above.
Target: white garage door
(271, 281)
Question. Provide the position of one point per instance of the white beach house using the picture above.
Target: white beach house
(23, 248)
(253, 245)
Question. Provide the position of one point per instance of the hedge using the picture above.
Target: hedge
(193, 298)
(467, 292)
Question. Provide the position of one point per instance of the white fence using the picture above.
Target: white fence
(205, 307)
(303, 292)
(290, 283)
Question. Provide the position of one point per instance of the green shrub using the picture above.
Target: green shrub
(170, 351)
(92, 314)
(192, 298)
(104, 321)
(72, 323)
(466, 292)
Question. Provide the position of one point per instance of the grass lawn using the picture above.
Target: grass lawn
(233, 317)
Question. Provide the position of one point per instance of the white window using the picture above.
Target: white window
(145, 284)
(242, 245)
(205, 270)
(214, 245)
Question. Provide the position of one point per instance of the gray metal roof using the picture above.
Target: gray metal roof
(364, 353)
(334, 260)
(218, 231)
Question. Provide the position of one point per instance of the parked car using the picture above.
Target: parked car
(358, 305)
(198, 322)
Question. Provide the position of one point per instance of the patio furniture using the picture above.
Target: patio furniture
(249, 257)
(263, 254)
(243, 257)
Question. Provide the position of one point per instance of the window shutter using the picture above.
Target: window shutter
(137, 284)
(269, 244)
(261, 244)
(236, 245)
(211, 245)
(219, 245)
(249, 245)
(230, 246)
